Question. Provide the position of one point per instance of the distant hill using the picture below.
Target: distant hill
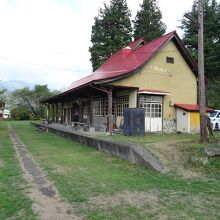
(14, 84)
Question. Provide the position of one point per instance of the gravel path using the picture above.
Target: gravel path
(46, 201)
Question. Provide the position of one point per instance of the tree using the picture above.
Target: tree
(211, 36)
(2, 96)
(2, 100)
(214, 93)
(30, 100)
(110, 32)
(20, 113)
(211, 46)
(148, 22)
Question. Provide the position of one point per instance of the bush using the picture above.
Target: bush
(20, 113)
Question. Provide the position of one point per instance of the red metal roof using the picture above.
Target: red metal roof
(191, 107)
(121, 63)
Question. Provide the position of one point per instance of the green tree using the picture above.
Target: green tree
(2, 97)
(211, 36)
(110, 32)
(30, 100)
(20, 113)
(213, 94)
(211, 46)
(148, 22)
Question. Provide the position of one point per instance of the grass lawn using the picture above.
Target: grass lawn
(14, 204)
(100, 186)
(182, 153)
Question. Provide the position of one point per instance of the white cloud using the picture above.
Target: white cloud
(56, 37)
(46, 34)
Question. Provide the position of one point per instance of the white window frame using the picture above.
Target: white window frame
(153, 105)
(122, 103)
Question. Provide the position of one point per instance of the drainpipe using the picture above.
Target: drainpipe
(109, 93)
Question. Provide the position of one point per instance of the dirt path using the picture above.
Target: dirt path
(46, 201)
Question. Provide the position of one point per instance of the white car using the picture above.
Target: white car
(215, 119)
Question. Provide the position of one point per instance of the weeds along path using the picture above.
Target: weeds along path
(46, 201)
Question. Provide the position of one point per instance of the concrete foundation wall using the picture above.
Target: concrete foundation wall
(133, 153)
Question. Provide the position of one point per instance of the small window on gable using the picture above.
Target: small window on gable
(170, 60)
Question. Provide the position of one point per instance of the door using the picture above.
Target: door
(153, 115)
(183, 121)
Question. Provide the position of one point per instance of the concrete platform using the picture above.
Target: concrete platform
(131, 152)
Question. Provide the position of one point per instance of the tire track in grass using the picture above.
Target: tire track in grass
(46, 201)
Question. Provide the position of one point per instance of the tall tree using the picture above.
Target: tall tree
(211, 36)
(110, 32)
(211, 45)
(148, 22)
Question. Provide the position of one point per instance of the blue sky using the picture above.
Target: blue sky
(47, 41)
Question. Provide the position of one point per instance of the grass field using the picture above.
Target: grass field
(14, 204)
(182, 153)
(100, 186)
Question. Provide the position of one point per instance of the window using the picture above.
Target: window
(122, 104)
(150, 98)
(156, 110)
(98, 107)
(170, 60)
(152, 110)
(152, 105)
(213, 114)
(106, 107)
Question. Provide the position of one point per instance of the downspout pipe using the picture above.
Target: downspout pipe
(109, 93)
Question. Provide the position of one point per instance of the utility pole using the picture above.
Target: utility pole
(202, 101)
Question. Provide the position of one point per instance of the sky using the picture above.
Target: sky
(47, 41)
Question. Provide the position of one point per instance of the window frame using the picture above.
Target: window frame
(98, 107)
(122, 103)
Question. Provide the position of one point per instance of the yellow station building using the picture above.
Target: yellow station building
(152, 75)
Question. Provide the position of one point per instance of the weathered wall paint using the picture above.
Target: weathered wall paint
(133, 99)
(177, 79)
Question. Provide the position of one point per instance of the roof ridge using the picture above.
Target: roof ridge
(172, 32)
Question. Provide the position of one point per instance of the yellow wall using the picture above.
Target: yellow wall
(194, 122)
(133, 99)
(132, 93)
(177, 79)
